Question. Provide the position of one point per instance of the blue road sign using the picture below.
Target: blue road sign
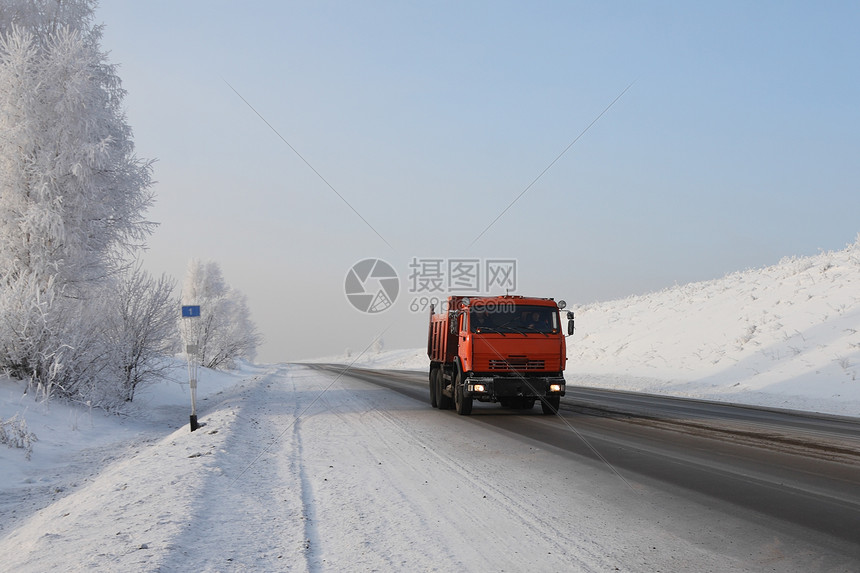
(190, 311)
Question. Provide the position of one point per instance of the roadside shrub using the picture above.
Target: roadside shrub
(15, 434)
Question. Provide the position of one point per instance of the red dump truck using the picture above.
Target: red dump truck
(506, 349)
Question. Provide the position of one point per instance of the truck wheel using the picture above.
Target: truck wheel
(433, 381)
(550, 404)
(528, 403)
(463, 403)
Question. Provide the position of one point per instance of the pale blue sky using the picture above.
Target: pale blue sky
(736, 145)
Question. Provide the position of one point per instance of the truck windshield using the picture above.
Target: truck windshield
(522, 319)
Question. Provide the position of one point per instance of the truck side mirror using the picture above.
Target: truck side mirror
(570, 324)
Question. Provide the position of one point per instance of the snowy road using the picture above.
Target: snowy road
(299, 469)
(784, 474)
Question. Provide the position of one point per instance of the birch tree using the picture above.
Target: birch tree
(224, 330)
(72, 192)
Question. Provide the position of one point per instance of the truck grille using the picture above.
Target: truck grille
(516, 364)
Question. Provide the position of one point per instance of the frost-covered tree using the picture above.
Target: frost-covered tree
(140, 329)
(72, 191)
(28, 338)
(224, 330)
(46, 17)
(204, 286)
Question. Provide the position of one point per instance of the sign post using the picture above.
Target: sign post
(191, 350)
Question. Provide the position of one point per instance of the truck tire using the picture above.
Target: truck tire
(550, 404)
(433, 381)
(462, 403)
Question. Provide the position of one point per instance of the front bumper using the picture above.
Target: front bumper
(490, 388)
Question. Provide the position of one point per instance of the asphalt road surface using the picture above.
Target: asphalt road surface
(792, 473)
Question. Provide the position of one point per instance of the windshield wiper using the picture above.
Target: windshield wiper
(488, 329)
(511, 328)
(530, 327)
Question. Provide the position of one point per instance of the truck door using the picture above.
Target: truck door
(465, 342)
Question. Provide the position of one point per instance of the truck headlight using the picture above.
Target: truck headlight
(555, 387)
(478, 388)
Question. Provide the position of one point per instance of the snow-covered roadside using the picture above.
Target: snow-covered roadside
(87, 450)
(298, 470)
(786, 336)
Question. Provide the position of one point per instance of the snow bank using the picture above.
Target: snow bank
(783, 336)
(62, 431)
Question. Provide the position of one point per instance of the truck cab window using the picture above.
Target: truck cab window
(515, 319)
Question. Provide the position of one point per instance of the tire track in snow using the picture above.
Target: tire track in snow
(455, 481)
(351, 507)
(506, 499)
(253, 523)
(297, 468)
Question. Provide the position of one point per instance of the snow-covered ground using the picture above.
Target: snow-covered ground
(785, 336)
(297, 470)
(114, 492)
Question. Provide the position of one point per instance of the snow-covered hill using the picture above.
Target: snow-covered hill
(785, 336)
(782, 336)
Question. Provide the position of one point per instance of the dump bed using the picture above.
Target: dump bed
(441, 341)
